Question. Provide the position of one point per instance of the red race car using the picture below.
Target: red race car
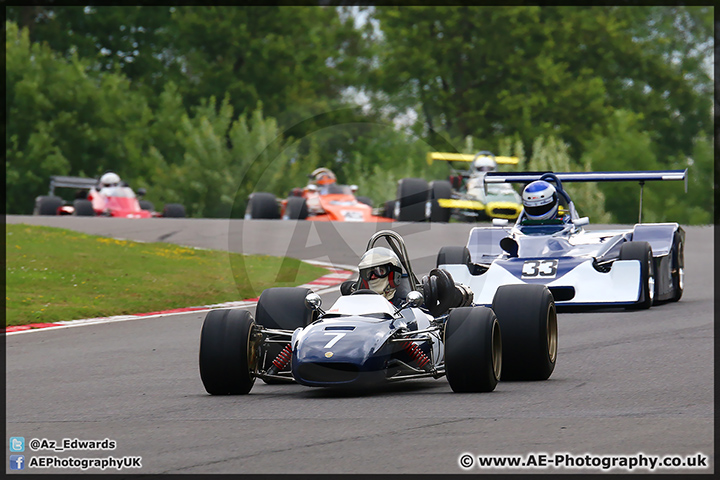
(321, 200)
(111, 198)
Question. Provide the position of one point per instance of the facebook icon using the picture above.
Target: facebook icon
(17, 462)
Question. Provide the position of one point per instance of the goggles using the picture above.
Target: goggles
(375, 272)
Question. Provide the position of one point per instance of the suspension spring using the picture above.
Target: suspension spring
(417, 355)
(281, 360)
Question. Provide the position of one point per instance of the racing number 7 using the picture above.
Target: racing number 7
(332, 342)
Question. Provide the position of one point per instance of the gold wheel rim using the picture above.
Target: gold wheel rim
(551, 330)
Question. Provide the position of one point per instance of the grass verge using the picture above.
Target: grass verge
(54, 274)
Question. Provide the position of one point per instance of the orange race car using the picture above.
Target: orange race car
(321, 200)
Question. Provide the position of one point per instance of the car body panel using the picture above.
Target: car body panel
(353, 348)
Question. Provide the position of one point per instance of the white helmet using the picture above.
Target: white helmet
(484, 163)
(110, 179)
(380, 271)
(540, 200)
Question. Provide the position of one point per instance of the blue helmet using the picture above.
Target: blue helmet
(540, 200)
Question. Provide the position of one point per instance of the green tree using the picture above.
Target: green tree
(65, 119)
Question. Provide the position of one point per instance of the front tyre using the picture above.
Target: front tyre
(228, 353)
(295, 209)
(412, 194)
(473, 350)
(83, 208)
(528, 320)
(642, 252)
(173, 210)
(262, 205)
(439, 189)
(678, 267)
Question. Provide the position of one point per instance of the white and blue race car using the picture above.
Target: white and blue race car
(635, 267)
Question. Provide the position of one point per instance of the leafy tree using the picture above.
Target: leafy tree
(490, 72)
(63, 119)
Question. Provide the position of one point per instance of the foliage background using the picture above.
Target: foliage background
(203, 105)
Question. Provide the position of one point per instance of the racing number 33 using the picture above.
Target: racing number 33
(539, 268)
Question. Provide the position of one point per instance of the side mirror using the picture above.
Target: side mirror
(581, 221)
(313, 301)
(141, 191)
(353, 188)
(312, 188)
(499, 222)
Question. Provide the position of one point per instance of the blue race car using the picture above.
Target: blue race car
(635, 267)
(362, 340)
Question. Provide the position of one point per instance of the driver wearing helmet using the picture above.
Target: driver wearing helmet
(381, 271)
(541, 203)
(481, 166)
(108, 182)
(323, 178)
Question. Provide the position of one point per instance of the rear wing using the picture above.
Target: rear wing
(468, 157)
(637, 176)
(71, 182)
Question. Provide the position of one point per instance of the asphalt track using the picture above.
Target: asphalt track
(626, 382)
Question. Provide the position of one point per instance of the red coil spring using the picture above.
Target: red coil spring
(283, 358)
(416, 354)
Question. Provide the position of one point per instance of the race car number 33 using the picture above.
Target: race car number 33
(539, 268)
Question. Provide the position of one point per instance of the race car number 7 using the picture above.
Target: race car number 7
(332, 342)
(539, 268)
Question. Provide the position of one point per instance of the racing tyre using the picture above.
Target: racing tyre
(642, 252)
(439, 189)
(262, 205)
(228, 354)
(173, 210)
(412, 194)
(452, 255)
(473, 350)
(47, 205)
(281, 308)
(366, 200)
(389, 209)
(678, 267)
(295, 209)
(146, 205)
(528, 320)
(83, 208)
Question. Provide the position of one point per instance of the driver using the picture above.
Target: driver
(323, 178)
(109, 181)
(484, 164)
(381, 271)
(541, 203)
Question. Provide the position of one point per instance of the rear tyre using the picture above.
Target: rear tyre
(439, 189)
(528, 320)
(473, 350)
(678, 267)
(366, 200)
(262, 205)
(47, 205)
(389, 209)
(281, 308)
(146, 205)
(452, 255)
(295, 209)
(412, 194)
(642, 252)
(228, 354)
(173, 210)
(83, 208)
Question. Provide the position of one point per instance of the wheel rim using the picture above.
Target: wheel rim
(681, 278)
(552, 335)
(651, 281)
(496, 351)
(428, 209)
(396, 210)
(252, 352)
